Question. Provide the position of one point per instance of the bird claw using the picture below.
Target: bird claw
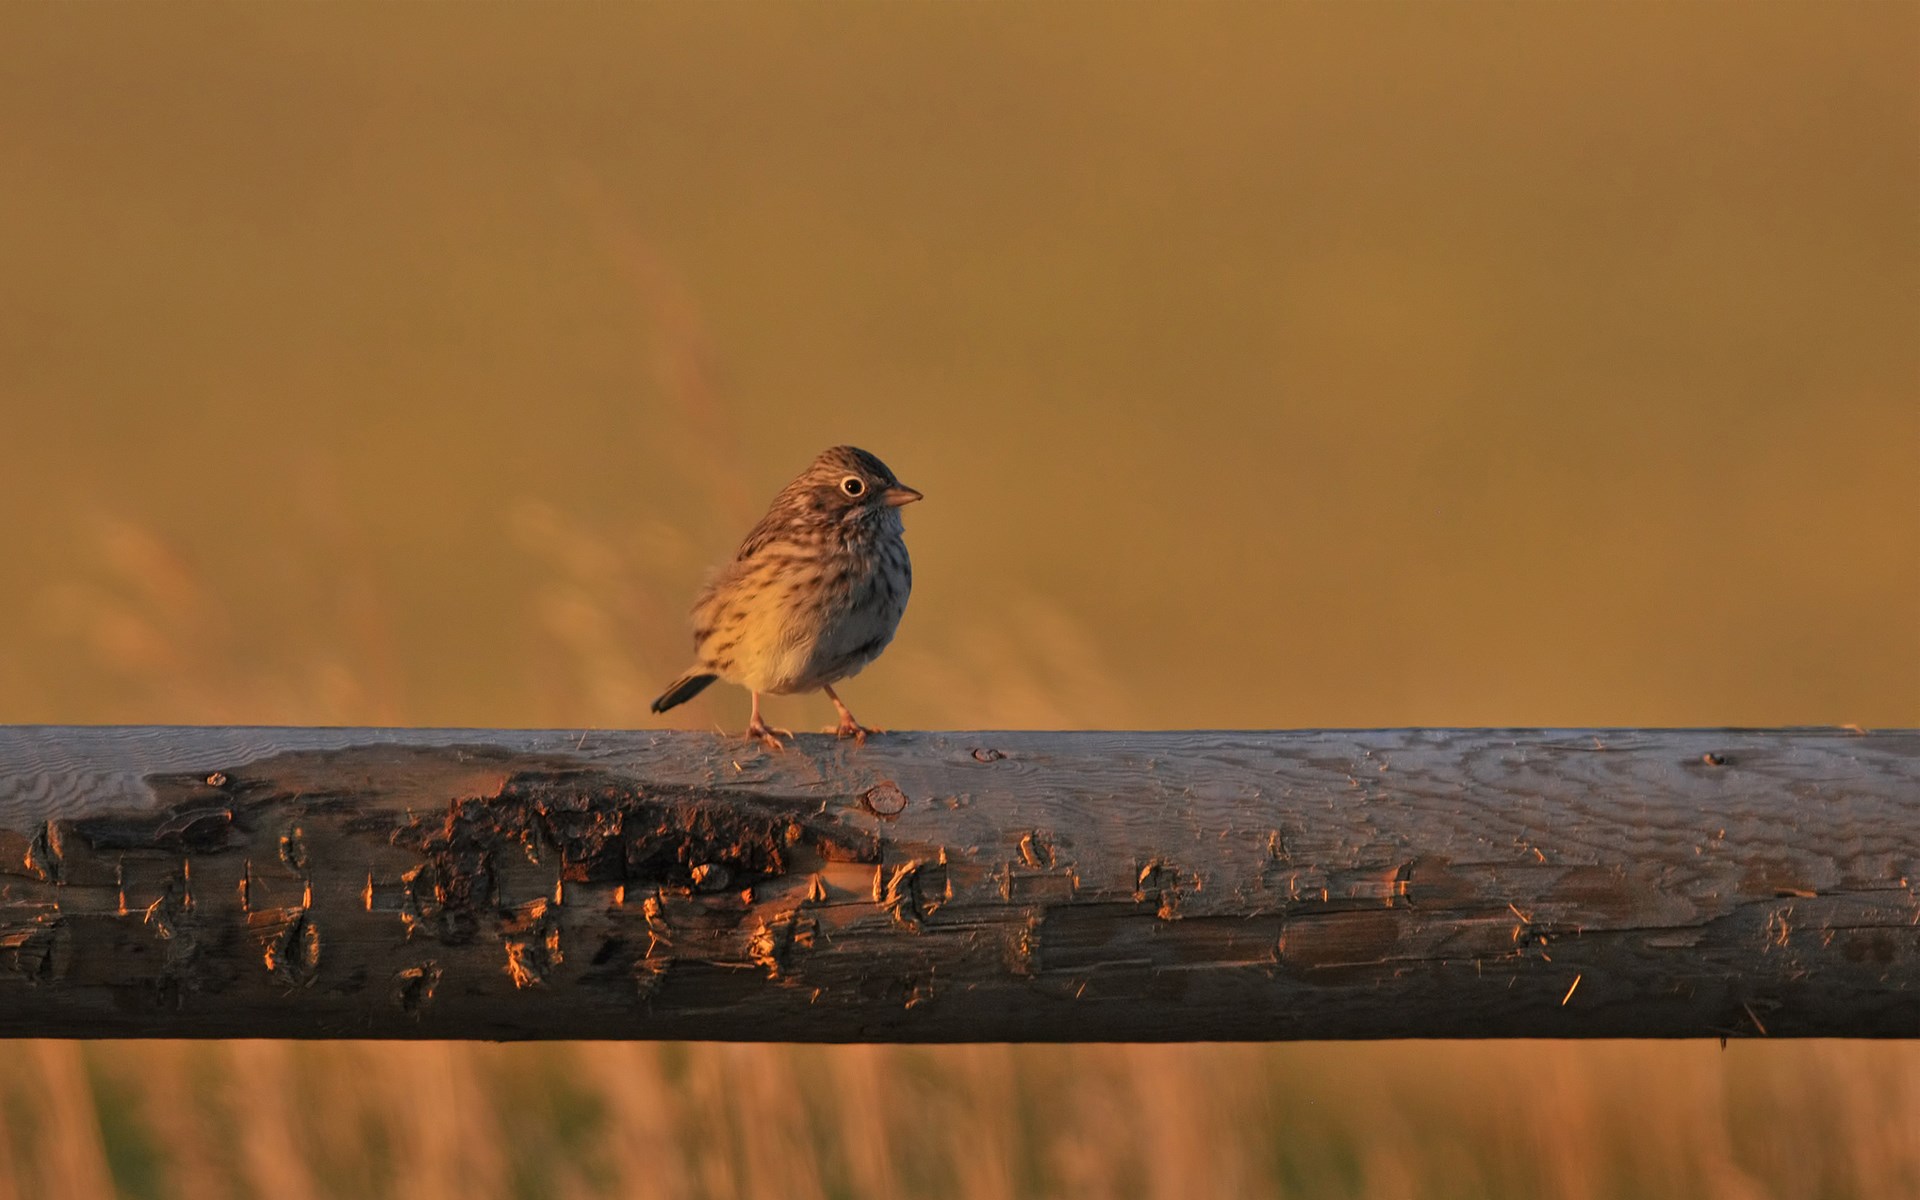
(855, 730)
(767, 735)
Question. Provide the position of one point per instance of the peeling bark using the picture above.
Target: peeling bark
(959, 887)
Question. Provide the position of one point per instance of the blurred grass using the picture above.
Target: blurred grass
(1264, 366)
(1370, 1120)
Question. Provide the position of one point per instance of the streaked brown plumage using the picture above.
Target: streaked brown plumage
(813, 595)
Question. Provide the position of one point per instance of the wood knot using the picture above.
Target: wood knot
(884, 799)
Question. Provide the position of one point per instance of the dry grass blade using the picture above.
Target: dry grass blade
(642, 1136)
(70, 1155)
(275, 1159)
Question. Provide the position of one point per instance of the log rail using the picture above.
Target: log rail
(498, 884)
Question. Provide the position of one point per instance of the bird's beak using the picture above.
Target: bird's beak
(899, 494)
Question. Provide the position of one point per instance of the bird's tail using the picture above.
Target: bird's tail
(682, 690)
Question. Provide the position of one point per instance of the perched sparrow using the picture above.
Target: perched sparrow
(812, 596)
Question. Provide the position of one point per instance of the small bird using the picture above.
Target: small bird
(813, 595)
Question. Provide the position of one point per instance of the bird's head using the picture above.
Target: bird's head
(848, 480)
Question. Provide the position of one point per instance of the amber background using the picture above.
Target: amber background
(1264, 365)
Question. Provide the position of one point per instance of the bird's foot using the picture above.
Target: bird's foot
(767, 735)
(850, 728)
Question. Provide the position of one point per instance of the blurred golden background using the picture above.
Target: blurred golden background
(1264, 366)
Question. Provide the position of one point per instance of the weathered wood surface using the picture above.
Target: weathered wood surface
(952, 887)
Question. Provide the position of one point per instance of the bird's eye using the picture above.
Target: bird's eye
(853, 485)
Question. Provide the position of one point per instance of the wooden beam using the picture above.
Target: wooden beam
(178, 882)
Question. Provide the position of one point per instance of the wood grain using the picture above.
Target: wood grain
(182, 882)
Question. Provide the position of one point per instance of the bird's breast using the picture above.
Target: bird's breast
(796, 617)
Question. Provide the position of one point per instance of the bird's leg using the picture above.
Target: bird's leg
(848, 727)
(763, 732)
